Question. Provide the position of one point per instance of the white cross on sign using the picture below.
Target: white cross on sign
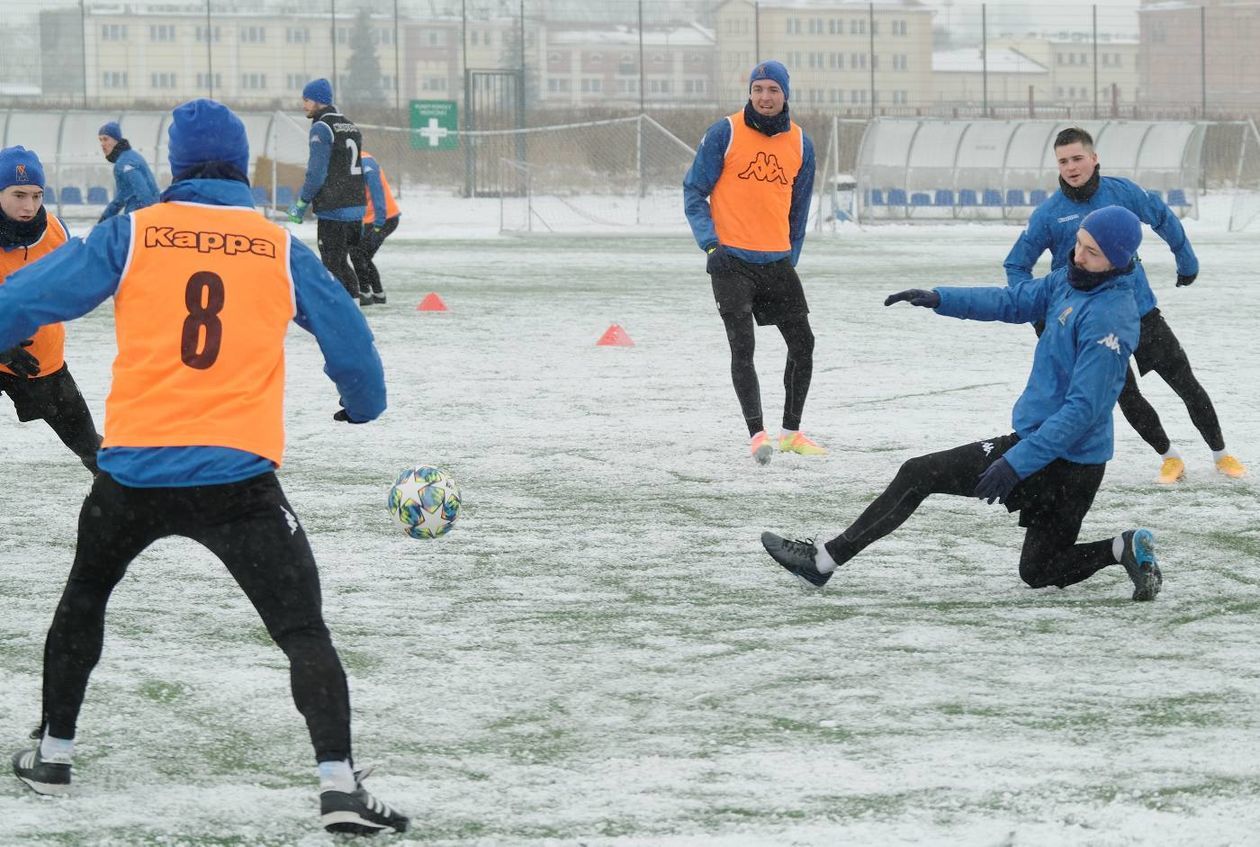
(433, 132)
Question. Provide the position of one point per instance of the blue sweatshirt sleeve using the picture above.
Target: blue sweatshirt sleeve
(372, 176)
(1013, 305)
(1102, 360)
(120, 198)
(1032, 242)
(802, 193)
(327, 312)
(1154, 212)
(67, 283)
(321, 139)
(700, 179)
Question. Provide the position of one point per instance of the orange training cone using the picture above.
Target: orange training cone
(614, 336)
(431, 303)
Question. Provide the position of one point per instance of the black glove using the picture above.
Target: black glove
(719, 261)
(916, 297)
(343, 415)
(997, 481)
(1186, 279)
(19, 361)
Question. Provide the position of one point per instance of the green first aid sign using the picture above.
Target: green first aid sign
(434, 125)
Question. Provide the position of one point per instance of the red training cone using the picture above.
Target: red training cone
(431, 303)
(614, 336)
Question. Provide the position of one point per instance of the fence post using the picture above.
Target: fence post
(1094, 8)
(984, 56)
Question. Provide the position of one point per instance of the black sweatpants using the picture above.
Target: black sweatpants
(361, 256)
(1052, 504)
(250, 526)
(1160, 351)
(57, 400)
(335, 240)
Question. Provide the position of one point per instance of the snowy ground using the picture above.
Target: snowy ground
(601, 653)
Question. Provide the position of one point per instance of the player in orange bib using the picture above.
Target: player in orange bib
(747, 200)
(33, 373)
(204, 289)
(380, 220)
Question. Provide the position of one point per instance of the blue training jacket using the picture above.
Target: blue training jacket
(376, 189)
(1054, 223)
(703, 175)
(320, 142)
(1078, 367)
(134, 186)
(78, 276)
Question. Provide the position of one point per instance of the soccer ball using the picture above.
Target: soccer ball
(425, 501)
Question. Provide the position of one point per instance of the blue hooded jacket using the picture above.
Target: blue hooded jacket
(1078, 368)
(135, 187)
(81, 274)
(1054, 223)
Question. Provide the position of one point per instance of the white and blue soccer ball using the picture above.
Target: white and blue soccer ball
(425, 500)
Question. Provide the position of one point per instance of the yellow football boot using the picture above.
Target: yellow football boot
(1172, 470)
(797, 442)
(1231, 467)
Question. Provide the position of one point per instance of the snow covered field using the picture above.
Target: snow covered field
(601, 653)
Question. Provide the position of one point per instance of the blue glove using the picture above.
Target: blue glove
(298, 211)
(1186, 279)
(997, 482)
(916, 297)
(719, 261)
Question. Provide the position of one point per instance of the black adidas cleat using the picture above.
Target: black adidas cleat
(43, 777)
(1139, 560)
(358, 812)
(378, 298)
(365, 298)
(797, 557)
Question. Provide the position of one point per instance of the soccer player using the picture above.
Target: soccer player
(204, 288)
(1050, 468)
(1052, 227)
(134, 185)
(334, 182)
(33, 371)
(747, 199)
(380, 219)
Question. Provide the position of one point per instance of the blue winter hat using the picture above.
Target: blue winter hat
(112, 129)
(19, 166)
(319, 90)
(771, 70)
(203, 131)
(1117, 231)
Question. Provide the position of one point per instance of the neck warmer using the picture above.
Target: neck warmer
(1083, 280)
(15, 233)
(1086, 189)
(212, 170)
(119, 148)
(767, 126)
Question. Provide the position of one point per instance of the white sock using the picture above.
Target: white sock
(1173, 453)
(823, 560)
(59, 750)
(1117, 547)
(1217, 455)
(336, 776)
(787, 433)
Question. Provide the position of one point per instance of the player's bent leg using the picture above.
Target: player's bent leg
(69, 417)
(1141, 415)
(1051, 556)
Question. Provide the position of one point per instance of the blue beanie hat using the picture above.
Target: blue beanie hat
(19, 166)
(1117, 231)
(771, 70)
(204, 130)
(319, 90)
(112, 129)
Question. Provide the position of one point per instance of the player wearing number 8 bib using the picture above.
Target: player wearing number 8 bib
(204, 288)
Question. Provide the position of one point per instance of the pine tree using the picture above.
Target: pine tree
(363, 71)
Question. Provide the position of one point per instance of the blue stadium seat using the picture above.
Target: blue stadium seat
(1037, 196)
(992, 197)
(71, 196)
(966, 197)
(896, 197)
(284, 196)
(875, 197)
(920, 198)
(1177, 197)
(261, 195)
(97, 196)
(1015, 197)
(944, 197)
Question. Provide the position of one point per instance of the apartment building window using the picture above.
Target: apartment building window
(857, 26)
(794, 59)
(835, 95)
(114, 79)
(835, 27)
(433, 83)
(113, 32)
(254, 34)
(1058, 92)
(437, 38)
(627, 64)
(1084, 59)
(203, 81)
(694, 86)
(816, 60)
(857, 61)
(836, 61)
(900, 98)
(793, 26)
(1115, 60)
(900, 61)
(162, 32)
(592, 85)
(297, 35)
(473, 35)
(295, 82)
(201, 34)
(899, 28)
(857, 95)
(595, 58)
(387, 82)
(162, 80)
(815, 96)
(815, 26)
(253, 82)
(557, 84)
(628, 86)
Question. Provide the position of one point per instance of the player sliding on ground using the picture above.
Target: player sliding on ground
(1050, 468)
